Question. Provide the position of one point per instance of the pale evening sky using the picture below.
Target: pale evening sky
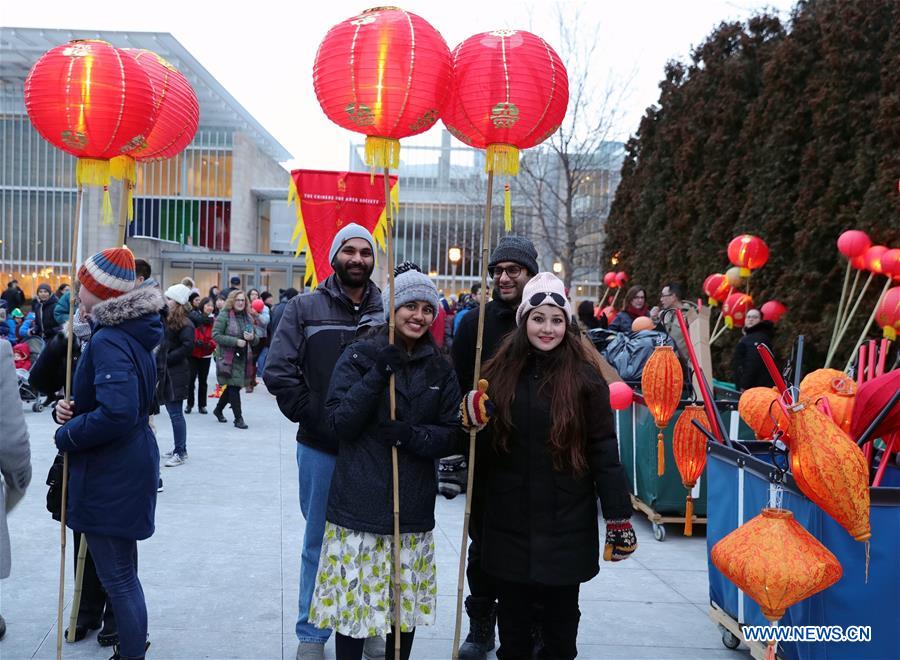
(262, 52)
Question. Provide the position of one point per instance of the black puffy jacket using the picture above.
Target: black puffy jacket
(361, 496)
(749, 369)
(179, 344)
(540, 525)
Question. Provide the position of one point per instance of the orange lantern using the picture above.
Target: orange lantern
(830, 469)
(887, 316)
(837, 388)
(661, 385)
(689, 447)
(748, 252)
(761, 410)
(735, 309)
(716, 287)
(385, 73)
(642, 323)
(776, 562)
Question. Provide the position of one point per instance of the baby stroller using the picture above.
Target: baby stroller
(27, 393)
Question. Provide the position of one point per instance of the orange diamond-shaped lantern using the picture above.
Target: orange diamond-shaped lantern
(689, 447)
(759, 407)
(661, 385)
(837, 388)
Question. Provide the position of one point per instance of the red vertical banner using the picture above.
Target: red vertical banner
(327, 201)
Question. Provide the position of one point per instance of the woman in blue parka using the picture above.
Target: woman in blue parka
(113, 455)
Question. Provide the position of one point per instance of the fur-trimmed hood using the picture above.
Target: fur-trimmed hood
(136, 312)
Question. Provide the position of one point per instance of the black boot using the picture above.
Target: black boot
(239, 423)
(109, 634)
(482, 621)
(217, 411)
(118, 656)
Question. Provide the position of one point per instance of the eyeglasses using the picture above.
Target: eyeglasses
(538, 299)
(513, 271)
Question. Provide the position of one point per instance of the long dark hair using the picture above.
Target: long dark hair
(565, 382)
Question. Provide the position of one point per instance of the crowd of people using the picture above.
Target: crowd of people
(547, 446)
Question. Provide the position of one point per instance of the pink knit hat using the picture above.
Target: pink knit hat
(543, 289)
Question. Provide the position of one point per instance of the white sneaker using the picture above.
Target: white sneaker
(169, 454)
(176, 460)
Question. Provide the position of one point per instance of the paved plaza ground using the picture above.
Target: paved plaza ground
(221, 572)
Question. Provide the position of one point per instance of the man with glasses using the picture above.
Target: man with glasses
(671, 298)
(513, 263)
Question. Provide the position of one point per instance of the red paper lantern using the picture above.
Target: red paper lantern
(735, 309)
(385, 73)
(610, 280)
(853, 243)
(873, 258)
(177, 109)
(661, 385)
(620, 395)
(748, 252)
(93, 101)
(689, 447)
(621, 277)
(890, 263)
(610, 313)
(773, 311)
(887, 316)
(716, 287)
(511, 92)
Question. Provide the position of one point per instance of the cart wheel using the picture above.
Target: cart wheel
(730, 640)
(37, 407)
(659, 532)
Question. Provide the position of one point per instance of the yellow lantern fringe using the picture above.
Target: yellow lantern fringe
(300, 235)
(123, 168)
(507, 209)
(745, 272)
(689, 517)
(502, 159)
(93, 172)
(382, 152)
(660, 455)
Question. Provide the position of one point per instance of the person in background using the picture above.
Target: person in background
(22, 357)
(15, 322)
(61, 309)
(634, 306)
(220, 302)
(672, 297)
(259, 316)
(268, 299)
(15, 457)
(45, 325)
(749, 369)
(586, 316)
(213, 293)
(179, 345)
(278, 311)
(194, 301)
(201, 355)
(13, 295)
(252, 294)
(235, 338)
(189, 283)
(235, 282)
(62, 290)
(551, 452)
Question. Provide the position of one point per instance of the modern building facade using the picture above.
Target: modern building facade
(198, 214)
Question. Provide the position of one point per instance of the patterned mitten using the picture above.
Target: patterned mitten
(476, 409)
(620, 540)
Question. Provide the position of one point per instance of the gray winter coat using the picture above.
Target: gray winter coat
(15, 453)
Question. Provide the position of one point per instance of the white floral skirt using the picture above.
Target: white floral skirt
(354, 585)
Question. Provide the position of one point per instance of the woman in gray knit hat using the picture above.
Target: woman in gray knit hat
(353, 594)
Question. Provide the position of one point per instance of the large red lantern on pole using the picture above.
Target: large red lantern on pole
(689, 447)
(511, 92)
(748, 252)
(661, 385)
(385, 73)
(93, 101)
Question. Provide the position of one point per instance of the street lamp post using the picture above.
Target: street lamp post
(455, 255)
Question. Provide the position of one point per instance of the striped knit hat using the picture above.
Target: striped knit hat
(109, 273)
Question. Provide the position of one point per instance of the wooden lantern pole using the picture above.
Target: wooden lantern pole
(395, 465)
(65, 477)
(485, 247)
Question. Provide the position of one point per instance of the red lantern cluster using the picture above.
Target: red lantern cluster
(716, 287)
(773, 311)
(748, 252)
(735, 309)
(621, 278)
(611, 280)
(385, 73)
(511, 93)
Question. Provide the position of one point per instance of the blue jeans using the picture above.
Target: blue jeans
(261, 362)
(116, 562)
(179, 426)
(315, 469)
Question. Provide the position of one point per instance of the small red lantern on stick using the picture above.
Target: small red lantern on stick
(887, 315)
(773, 310)
(735, 310)
(661, 385)
(689, 447)
(748, 252)
(717, 288)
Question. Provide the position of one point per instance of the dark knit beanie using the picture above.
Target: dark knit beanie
(517, 249)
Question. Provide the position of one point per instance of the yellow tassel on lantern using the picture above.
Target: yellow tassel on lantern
(502, 159)
(745, 272)
(93, 172)
(382, 152)
(660, 455)
(507, 209)
(689, 516)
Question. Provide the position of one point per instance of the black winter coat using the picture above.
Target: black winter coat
(541, 525)
(48, 373)
(749, 369)
(179, 344)
(361, 496)
(313, 332)
(499, 321)
(45, 324)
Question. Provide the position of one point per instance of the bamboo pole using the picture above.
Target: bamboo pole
(395, 464)
(840, 309)
(65, 479)
(862, 336)
(123, 211)
(846, 324)
(485, 246)
(76, 595)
